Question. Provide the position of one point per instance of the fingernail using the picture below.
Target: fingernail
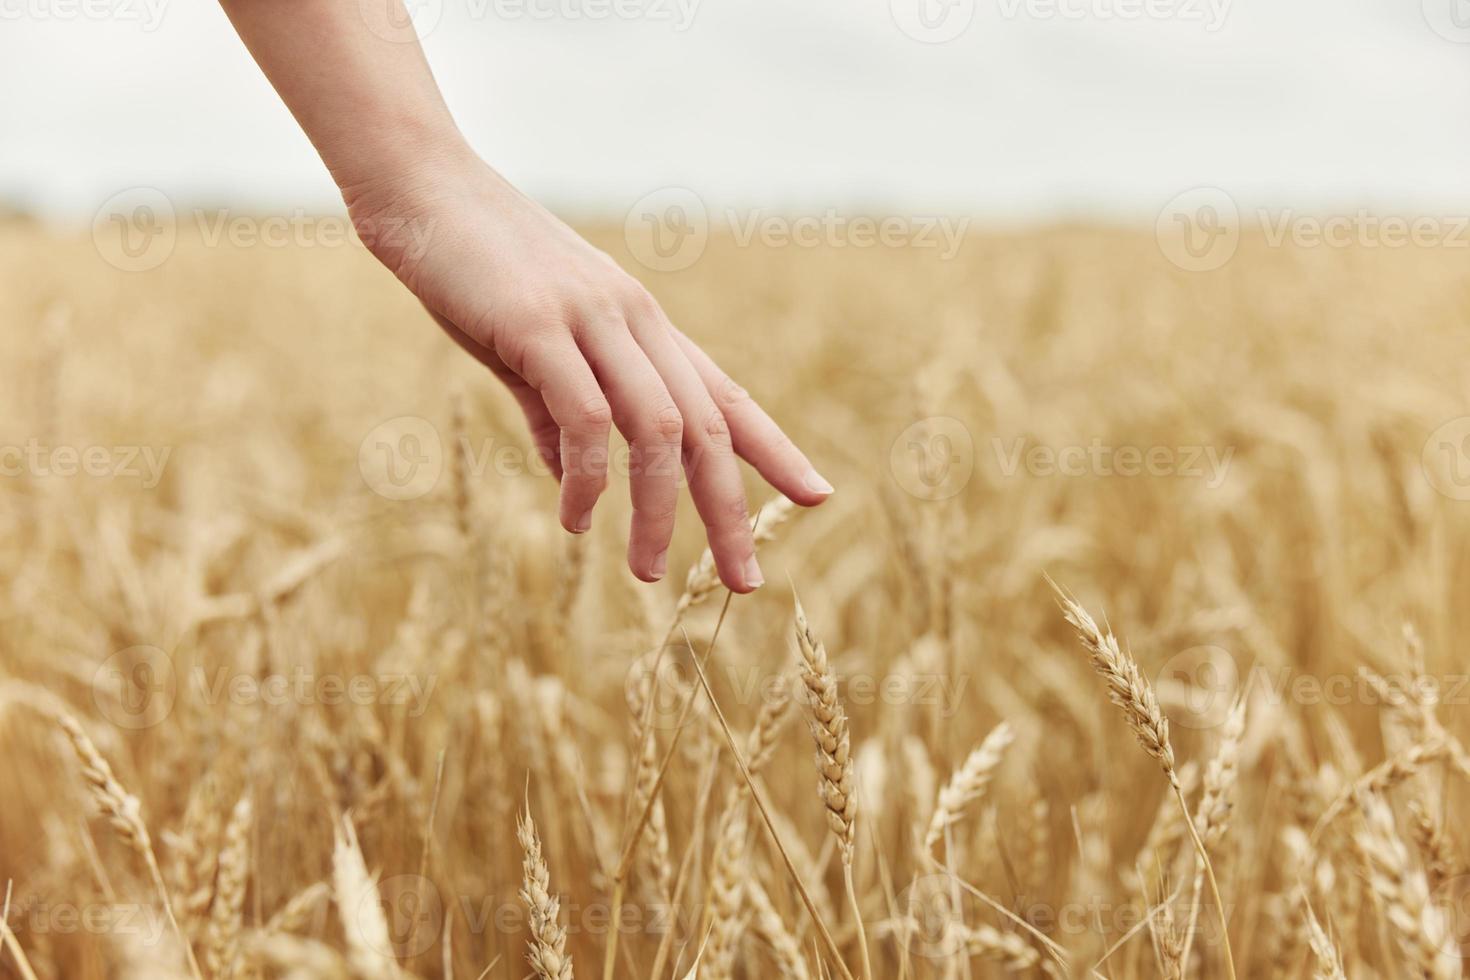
(753, 577)
(660, 564)
(815, 483)
(584, 523)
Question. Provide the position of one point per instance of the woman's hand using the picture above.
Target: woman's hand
(582, 346)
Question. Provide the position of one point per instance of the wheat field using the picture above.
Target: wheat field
(1126, 565)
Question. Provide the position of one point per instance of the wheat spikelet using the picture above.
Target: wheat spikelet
(727, 879)
(226, 913)
(1170, 944)
(359, 907)
(194, 850)
(1127, 687)
(771, 927)
(546, 950)
(1440, 862)
(761, 743)
(121, 808)
(123, 812)
(1005, 948)
(296, 914)
(703, 579)
(968, 782)
(1329, 961)
(1417, 924)
(830, 730)
(1212, 819)
(654, 855)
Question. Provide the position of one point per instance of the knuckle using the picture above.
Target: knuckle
(730, 513)
(730, 395)
(715, 428)
(638, 301)
(668, 424)
(594, 414)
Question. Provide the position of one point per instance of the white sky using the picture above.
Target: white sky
(1029, 114)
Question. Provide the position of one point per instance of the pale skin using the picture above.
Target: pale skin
(579, 342)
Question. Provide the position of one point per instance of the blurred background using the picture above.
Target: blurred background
(1013, 111)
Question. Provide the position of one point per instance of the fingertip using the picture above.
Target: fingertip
(650, 570)
(581, 524)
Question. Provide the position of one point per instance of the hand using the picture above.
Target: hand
(582, 346)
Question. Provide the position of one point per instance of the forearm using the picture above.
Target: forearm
(369, 105)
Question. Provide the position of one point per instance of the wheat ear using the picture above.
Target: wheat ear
(1418, 924)
(547, 949)
(1131, 692)
(124, 813)
(227, 912)
(837, 785)
(968, 783)
(360, 909)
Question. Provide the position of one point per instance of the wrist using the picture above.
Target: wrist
(400, 166)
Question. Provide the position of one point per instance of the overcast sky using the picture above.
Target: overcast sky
(1025, 110)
